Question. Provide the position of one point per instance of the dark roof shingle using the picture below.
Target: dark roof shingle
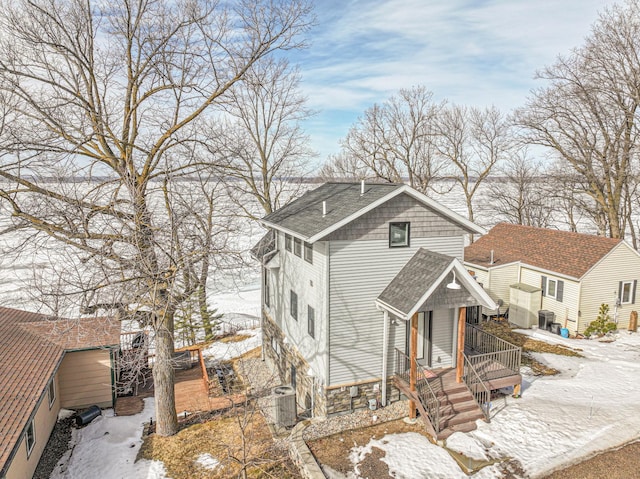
(563, 252)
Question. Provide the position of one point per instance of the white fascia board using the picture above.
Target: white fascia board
(274, 226)
(463, 276)
(619, 245)
(474, 228)
(399, 314)
(489, 268)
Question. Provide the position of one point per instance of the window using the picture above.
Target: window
(267, 292)
(297, 247)
(552, 288)
(52, 393)
(308, 252)
(398, 235)
(30, 437)
(293, 304)
(287, 242)
(627, 292)
(311, 321)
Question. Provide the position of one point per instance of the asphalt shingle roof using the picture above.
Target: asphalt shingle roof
(304, 215)
(563, 252)
(31, 347)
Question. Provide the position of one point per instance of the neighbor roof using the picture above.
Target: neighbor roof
(31, 348)
(562, 252)
(344, 202)
(423, 280)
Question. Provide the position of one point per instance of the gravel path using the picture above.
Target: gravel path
(57, 446)
(623, 463)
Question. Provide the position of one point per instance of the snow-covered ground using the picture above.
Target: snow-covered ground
(591, 406)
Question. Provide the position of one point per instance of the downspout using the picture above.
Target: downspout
(262, 273)
(385, 353)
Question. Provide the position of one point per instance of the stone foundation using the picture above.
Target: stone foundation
(339, 399)
(282, 356)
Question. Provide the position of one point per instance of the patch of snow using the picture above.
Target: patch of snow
(220, 351)
(65, 413)
(108, 447)
(468, 446)
(207, 461)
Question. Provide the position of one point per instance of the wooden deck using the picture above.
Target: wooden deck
(192, 395)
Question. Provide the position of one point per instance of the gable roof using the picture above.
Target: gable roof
(31, 348)
(563, 252)
(423, 280)
(344, 202)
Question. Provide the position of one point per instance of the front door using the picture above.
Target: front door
(425, 329)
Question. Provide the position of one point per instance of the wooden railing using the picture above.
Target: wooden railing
(477, 387)
(426, 394)
(490, 348)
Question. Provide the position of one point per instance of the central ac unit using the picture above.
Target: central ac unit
(284, 405)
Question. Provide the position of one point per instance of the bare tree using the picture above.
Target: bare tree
(518, 193)
(393, 141)
(588, 112)
(261, 145)
(471, 142)
(106, 92)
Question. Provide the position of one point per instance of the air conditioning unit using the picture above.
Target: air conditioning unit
(284, 405)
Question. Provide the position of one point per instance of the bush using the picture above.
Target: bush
(602, 325)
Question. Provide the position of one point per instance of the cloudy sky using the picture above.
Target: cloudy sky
(471, 52)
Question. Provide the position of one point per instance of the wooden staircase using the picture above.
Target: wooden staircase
(458, 409)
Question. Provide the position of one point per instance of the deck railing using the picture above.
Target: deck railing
(477, 387)
(426, 394)
(486, 348)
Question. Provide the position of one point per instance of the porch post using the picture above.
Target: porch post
(413, 354)
(385, 353)
(462, 319)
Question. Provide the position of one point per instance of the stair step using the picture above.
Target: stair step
(466, 427)
(458, 408)
(462, 418)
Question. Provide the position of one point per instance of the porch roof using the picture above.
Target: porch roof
(422, 284)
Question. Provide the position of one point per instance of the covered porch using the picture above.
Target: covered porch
(447, 368)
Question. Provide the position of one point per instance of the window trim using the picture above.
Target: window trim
(297, 247)
(555, 288)
(31, 426)
(308, 252)
(292, 295)
(311, 321)
(267, 289)
(288, 242)
(622, 285)
(51, 391)
(398, 224)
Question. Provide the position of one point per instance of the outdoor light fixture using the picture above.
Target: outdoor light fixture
(453, 284)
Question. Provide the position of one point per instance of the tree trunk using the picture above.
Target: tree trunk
(163, 381)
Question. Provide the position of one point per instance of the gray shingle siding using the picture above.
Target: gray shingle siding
(374, 225)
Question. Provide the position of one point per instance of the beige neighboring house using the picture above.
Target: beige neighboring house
(47, 364)
(570, 274)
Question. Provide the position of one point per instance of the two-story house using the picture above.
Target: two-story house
(359, 281)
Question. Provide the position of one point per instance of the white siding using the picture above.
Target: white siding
(567, 310)
(308, 281)
(496, 282)
(442, 338)
(360, 270)
(600, 285)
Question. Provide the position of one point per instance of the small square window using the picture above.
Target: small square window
(52, 393)
(311, 321)
(308, 252)
(287, 242)
(293, 304)
(30, 438)
(297, 247)
(399, 235)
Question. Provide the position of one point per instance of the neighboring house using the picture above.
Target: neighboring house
(570, 274)
(47, 364)
(355, 285)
